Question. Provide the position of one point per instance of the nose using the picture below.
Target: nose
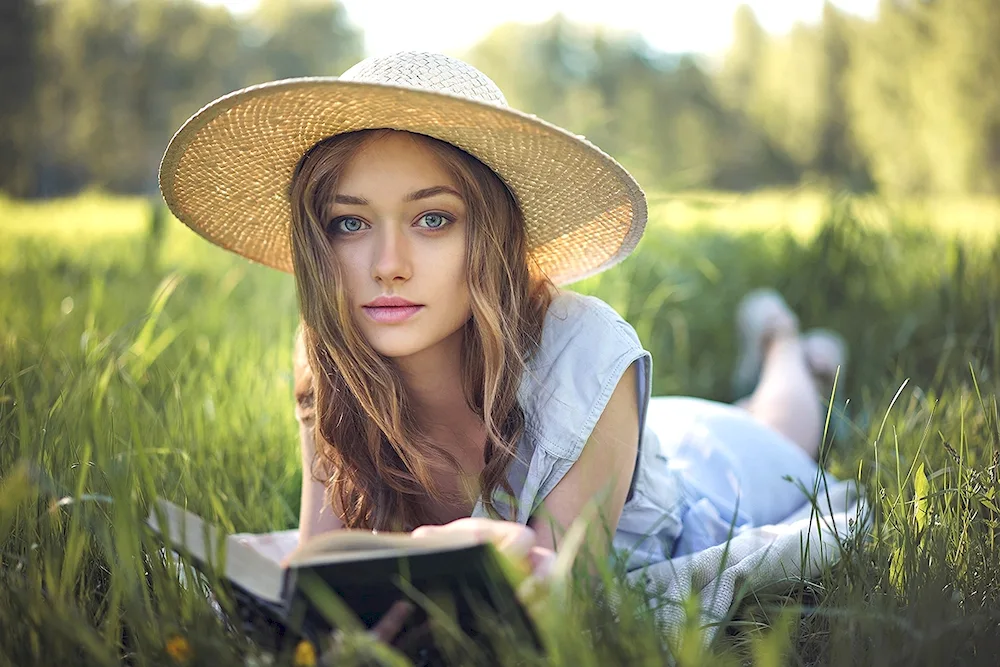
(391, 256)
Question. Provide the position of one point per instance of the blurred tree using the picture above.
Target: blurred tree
(839, 158)
(738, 78)
(889, 53)
(959, 94)
(792, 88)
(908, 102)
(294, 38)
(924, 96)
(658, 114)
(755, 157)
(116, 77)
(18, 81)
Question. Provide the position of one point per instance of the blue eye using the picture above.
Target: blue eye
(433, 220)
(349, 225)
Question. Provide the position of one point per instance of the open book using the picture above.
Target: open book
(452, 577)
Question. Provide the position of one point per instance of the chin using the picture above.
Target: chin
(398, 350)
(398, 343)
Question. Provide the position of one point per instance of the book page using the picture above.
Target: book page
(244, 566)
(353, 545)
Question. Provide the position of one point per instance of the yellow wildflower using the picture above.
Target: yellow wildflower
(179, 649)
(305, 654)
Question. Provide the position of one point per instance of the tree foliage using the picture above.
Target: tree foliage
(18, 80)
(659, 114)
(908, 102)
(112, 79)
(793, 89)
(924, 96)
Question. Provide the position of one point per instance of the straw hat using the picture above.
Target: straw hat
(227, 171)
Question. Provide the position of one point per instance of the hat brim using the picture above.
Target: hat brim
(226, 172)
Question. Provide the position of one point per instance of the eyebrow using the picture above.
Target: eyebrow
(413, 196)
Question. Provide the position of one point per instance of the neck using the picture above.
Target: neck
(434, 379)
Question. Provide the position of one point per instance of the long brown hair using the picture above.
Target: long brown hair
(370, 451)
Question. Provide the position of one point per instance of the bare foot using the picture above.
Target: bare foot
(825, 352)
(761, 318)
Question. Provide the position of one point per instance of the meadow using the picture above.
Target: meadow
(137, 360)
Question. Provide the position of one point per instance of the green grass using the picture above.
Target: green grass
(136, 363)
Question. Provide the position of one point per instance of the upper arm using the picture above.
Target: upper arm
(602, 473)
(315, 514)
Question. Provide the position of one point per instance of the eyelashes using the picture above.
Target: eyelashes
(343, 225)
(347, 225)
(442, 220)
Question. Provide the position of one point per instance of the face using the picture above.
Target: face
(398, 227)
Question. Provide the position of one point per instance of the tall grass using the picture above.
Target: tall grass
(137, 362)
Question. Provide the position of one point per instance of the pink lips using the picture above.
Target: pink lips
(391, 309)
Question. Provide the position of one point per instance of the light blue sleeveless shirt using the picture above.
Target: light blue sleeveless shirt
(586, 348)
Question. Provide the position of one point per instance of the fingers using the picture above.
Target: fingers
(518, 542)
(392, 621)
(424, 531)
(511, 538)
(542, 561)
(385, 631)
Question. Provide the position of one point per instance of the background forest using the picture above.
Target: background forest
(903, 104)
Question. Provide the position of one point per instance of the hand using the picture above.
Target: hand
(512, 539)
(385, 631)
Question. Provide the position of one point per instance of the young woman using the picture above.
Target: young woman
(443, 381)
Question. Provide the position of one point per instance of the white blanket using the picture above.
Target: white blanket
(765, 557)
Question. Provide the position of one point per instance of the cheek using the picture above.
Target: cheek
(352, 269)
(443, 263)
(456, 274)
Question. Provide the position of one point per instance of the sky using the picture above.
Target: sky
(451, 26)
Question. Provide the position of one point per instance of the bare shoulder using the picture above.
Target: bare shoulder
(603, 472)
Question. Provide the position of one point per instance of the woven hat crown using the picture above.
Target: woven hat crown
(427, 71)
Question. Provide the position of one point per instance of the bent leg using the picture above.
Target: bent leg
(789, 371)
(786, 398)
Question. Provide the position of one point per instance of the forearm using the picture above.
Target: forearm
(316, 514)
(590, 541)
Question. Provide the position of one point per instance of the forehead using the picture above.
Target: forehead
(396, 161)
